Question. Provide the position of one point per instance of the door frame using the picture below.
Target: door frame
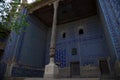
(108, 62)
(70, 68)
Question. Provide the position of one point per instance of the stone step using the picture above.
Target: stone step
(22, 78)
(62, 79)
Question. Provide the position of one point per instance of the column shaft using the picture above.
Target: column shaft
(54, 25)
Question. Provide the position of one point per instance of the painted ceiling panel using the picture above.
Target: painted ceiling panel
(68, 10)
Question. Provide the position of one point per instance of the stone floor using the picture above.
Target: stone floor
(21, 78)
(52, 79)
(62, 79)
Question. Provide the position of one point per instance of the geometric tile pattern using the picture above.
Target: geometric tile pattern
(60, 57)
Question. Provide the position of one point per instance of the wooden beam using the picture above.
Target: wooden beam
(38, 5)
(41, 20)
(75, 18)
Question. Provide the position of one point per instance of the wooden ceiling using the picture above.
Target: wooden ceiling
(68, 10)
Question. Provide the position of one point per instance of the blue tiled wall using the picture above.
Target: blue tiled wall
(25, 72)
(34, 44)
(30, 48)
(2, 70)
(90, 46)
(109, 14)
(33, 50)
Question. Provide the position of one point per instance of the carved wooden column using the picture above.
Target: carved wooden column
(51, 70)
(53, 36)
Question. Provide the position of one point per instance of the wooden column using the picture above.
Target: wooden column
(51, 70)
(53, 35)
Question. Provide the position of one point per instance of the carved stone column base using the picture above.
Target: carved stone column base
(51, 70)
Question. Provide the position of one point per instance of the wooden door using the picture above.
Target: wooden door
(104, 68)
(74, 69)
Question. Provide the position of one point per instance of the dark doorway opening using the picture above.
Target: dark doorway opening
(74, 69)
(104, 68)
(1, 53)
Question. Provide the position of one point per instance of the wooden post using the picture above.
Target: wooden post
(51, 70)
(54, 25)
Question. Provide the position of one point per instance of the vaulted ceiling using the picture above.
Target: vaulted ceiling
(68, 10)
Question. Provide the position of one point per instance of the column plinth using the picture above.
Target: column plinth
(51, 70)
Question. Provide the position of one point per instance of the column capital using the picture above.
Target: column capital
(56, 3)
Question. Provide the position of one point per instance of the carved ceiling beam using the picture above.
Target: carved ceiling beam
(37, 5)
